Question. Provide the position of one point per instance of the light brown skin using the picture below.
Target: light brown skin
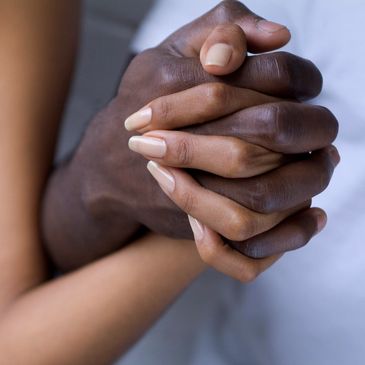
(234, 157)
(59, 321)
(34, 80)
(100, 198)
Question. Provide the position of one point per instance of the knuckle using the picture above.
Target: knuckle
(224, 11)
(167, 77)
(216, 95)
(262, 194)
(184, 151)
(254, 250)
(252, 274)
(228, 10)
(240, 227)
(162, 109)
(284, 124)
(146, 56)
(208, 254)
(249, 274)
(284, 131)
(298, 78)
(241, 159)
(286, 69)
(279, 129)
(141, 67)
(187, 202)
(268, 118)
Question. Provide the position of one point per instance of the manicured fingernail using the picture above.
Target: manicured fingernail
(149, 146)
(269, 27)
(197, 228)
(163, 177)
(321, 221)
(335, 156)
(138, 120)
(219, 55)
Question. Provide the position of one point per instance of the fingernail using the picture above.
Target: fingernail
(197, 228)
(163, 177)
(153, 147)
(335, 156)
(269, 27)
(219, 55)
(138, 120)
(321, 221)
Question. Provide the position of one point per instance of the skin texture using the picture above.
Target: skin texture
(59, 321)
(285, 182)
(35, 77)
(97, 201)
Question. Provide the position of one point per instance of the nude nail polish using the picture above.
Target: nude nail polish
(162, 176)
(218, 55)
(197, 228)
(138, 120)
(149, 146)
(269, 27)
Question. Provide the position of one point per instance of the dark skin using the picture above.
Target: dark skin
(97, 201)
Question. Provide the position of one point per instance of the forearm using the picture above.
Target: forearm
(95, 314)
(38, 44)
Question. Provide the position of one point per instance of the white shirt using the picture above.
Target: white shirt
(309, 309)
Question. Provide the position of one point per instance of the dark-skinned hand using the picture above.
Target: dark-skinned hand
(100, 198)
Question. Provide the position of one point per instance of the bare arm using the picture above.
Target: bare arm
(89, 198)
(96, 313)
(61, 321)
(93, 315)
(38, 40)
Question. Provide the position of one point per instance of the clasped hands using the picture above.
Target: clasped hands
(229, 142)
(262, 141)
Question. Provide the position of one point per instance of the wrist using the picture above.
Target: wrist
(179, 257)
(102, 193)
(77, 227)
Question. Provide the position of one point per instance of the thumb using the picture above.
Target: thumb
(261, 35)
(224, 50)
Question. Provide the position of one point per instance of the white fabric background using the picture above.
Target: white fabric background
(310, 307)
